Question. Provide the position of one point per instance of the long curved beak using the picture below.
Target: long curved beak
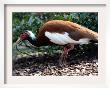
(17, 42)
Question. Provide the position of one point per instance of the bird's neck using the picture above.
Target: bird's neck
(32, 39)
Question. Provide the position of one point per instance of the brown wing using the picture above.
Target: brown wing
(74, 30)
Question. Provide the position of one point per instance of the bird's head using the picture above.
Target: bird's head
(26, 35)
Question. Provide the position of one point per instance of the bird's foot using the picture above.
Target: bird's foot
(64, 55)
(62, 59)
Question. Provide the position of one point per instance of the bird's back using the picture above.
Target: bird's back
(74, 30)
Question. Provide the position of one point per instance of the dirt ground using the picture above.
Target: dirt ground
(80, 63)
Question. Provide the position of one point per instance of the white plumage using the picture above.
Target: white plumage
(64, 38)
(31, 34)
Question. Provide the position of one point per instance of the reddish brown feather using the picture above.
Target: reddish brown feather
(75, 31)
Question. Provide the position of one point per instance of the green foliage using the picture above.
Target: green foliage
(34, 20)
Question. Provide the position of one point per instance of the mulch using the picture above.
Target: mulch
(80, 63)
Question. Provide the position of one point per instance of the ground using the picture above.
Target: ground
(82, 61)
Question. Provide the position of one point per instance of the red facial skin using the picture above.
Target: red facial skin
(24, 36)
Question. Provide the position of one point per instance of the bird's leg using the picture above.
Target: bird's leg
(66, 49)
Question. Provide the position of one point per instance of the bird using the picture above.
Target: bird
(60, 32)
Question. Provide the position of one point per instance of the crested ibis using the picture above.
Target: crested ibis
(60, 32)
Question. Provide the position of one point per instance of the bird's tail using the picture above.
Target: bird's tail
(93, 41)
(86, 41)
(83, 41)
(93, 36)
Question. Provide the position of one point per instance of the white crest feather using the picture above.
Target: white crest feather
(31, 34)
